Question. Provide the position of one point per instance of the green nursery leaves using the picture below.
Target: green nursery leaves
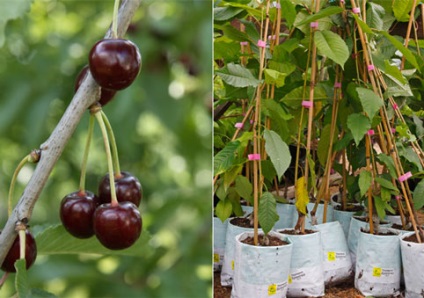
(370, 101)
(401, 9)
(238, 76)
(418, 195)
(267, 212)
(332, 45)
(278, 151)
(224, 159)
(224, 209)
(359, 125)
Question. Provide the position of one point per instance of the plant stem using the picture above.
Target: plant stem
(13, 182)
(85, 156)
(53, 147)
(115, 19)
(115, 155)
(99, 118)
(22, 243)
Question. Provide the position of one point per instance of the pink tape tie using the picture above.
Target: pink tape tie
(405, 177)
(314, 25)
(395, 106)
(371, 132)
(398, 197)
(261, 44)
(276, 4)
(337, 85)
(238, 125)
(370, 67)
(272, 37)
(307, 104)
(393, 130)
(356, 10)
(254, 156)
(342, 1)
(251, 121)
(244, 43)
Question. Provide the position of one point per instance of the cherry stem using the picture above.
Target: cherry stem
(13, 182)
(85, 156)
(115, 19)
(99, 118)
(22, 243)
(3, 279)
(115, 155)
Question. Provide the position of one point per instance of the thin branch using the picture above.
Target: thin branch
(51, 150)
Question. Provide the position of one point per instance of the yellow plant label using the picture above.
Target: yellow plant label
(376, 272)
(232, 265)
(216, 258)
(290, 279)
(331, 256)
(272, 289)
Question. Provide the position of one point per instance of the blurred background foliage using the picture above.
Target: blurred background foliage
(163, 128)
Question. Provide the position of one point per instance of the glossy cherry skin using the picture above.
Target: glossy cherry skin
(128, 189)
(114, 63)
(119, 226)
(76, 213)
(14, 253)
(106, 95)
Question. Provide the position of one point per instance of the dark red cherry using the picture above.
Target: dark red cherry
(14, 253)
(119, 226)
(114, 63)
(128, 189)
(76, 213)
(106, 95)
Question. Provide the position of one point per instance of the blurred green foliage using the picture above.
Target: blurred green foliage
(163, 129)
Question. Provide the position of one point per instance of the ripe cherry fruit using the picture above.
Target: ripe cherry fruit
(14, 253)
(76, 213)
(106, 95)
(114, 63)
(127, 186)
(117, 226)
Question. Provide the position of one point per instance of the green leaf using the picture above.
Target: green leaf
(21, 279)
(278, 152)
(37, 293)
(371, 102)
(225, 13)
(380, 206)
(387, 184)
(401, 9)
(411, 155)
(11, 10)
(331, 45)
(375, 15)
(405, 51)
(389, 163)
(324, 142)
(418, 195)
(230, 175)
(273, 77)
(56, 240)
(289, 12)
(267, 212)
(243, 187)
(238, 76)
(224, 209)
(358, 125)
(364, 182)
(326, 12)
(224, 159)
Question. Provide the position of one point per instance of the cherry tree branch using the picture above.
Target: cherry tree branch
(51, 150)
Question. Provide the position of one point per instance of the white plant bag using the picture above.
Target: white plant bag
(336, 257)
(306, 271)
(261, 271)
(344, 218)
(227, 270)
(378, 266)
(413, 264)
(355, 228)
(219, 234)
(286, 213)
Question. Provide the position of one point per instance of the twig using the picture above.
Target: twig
(86, 95)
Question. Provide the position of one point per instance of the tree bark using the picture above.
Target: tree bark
(51, 150)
